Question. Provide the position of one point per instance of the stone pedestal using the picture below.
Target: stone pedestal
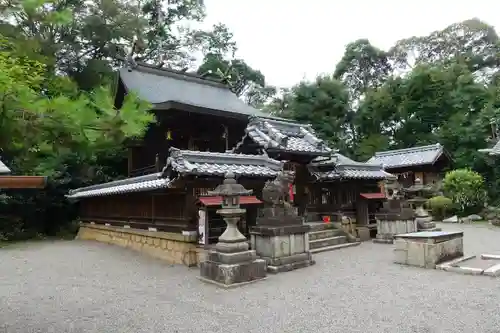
(284, 248)
(232, 269)
(231, 263)
(428, 248)
(424, 220)
(387, 228)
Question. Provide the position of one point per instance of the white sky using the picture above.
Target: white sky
(289, 40)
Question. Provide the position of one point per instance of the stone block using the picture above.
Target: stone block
(232, 258)
(387, 229)
(283, 248)
(364, 233)
(427, 249)
(230, 275)
(400, 257)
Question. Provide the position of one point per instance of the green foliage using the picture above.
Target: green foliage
(440, 207)
(41, 132)
(243, 80)
(466, 188)
(322, 103)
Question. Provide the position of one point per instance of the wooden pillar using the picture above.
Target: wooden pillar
(130, 160)
(301, 175)
(190, 211)
(361, 212)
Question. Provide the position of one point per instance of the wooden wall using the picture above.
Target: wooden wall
(165, 211)
(192, 131)
(172, 210)
(338, 196)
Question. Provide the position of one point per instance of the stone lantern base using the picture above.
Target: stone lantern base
(284, 248)
(232, 269)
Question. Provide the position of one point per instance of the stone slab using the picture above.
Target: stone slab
(232, 258)
(490, 256)
(431, 234)
(493, 270)
(465, 270)
(454, 262)
(477, 262)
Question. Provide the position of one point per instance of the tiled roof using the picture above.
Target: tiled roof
(342, 167)
(208, 163)
(4, 169)
(495, 150)
(158, 86)
(285, 136)
(135, 184)
(422, 155)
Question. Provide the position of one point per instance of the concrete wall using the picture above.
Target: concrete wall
(171, 247)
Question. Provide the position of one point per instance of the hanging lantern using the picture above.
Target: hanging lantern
(169, 135)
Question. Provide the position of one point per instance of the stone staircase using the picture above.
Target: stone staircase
(325, 237)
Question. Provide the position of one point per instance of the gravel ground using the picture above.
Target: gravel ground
(90, 287)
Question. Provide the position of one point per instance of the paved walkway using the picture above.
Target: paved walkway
(90, 287)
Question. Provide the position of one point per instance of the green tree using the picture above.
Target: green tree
(466, 188)
(42, 128)
(323, 103)
(473, 41)
(97, 35)
(363, 66)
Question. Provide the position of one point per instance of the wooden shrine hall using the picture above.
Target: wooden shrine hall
(202, 132)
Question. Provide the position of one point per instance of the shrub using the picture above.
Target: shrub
(440, 206)
(466, 188)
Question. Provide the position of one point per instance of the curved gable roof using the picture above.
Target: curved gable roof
(408, 157)
(159, 86)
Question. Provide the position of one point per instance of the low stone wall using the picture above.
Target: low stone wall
(171, 247)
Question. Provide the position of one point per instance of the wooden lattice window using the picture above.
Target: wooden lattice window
(201, 191)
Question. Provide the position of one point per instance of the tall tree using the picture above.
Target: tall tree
(219, 62)
(473, 41)
(363, 66)
(99, 32)
(323, 103)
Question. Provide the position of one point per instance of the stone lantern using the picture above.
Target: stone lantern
(231, 239)
(232, 263)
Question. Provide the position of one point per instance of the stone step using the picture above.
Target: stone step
(431, 229)
(322, 234)
(325, 242)
(320, 226)
(334, 247)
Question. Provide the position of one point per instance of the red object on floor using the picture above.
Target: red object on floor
(326, 219)
(217, 200)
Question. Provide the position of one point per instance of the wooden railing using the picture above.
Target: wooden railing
(156, 167)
